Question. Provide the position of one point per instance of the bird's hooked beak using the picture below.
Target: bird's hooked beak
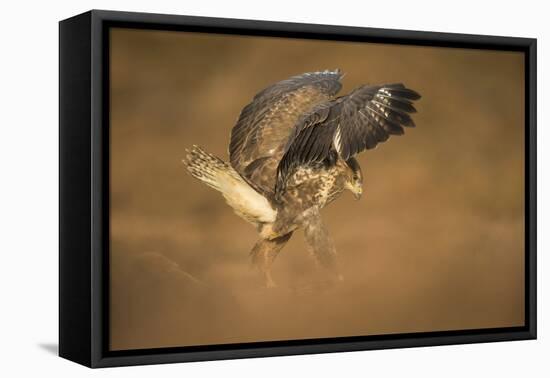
(357, 193)
(356, 189)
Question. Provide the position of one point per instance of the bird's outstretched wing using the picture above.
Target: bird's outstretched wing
(347, 125)
(260, 135)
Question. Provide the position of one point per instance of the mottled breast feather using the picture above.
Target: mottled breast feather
(346, 126)
(260, 135)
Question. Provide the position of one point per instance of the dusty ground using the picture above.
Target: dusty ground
(436, 242)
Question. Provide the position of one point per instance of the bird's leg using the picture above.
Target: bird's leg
(320, 244)
(264, 253)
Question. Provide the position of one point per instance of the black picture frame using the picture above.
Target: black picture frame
(84, 188)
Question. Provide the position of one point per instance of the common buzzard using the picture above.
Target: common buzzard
(292, 152)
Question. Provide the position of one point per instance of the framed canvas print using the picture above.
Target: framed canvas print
(234, 188)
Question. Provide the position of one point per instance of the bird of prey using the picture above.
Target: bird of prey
(292, 152)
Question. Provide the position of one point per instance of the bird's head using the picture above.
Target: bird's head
(354, 183)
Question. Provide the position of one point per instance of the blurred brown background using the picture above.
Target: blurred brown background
(436, 242)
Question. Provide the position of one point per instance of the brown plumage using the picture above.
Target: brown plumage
(292, 152)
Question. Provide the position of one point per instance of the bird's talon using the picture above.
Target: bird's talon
(270, 284)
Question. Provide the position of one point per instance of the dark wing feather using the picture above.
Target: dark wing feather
(260, 135)
(347, 126)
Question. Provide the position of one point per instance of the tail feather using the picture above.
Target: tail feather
(209, 169)
(219, 175)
